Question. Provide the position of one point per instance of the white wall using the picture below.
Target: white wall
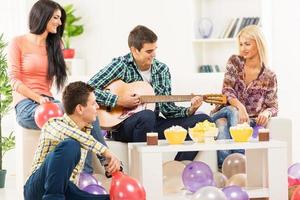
(286, 61)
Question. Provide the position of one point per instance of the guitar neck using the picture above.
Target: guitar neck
(166, 98)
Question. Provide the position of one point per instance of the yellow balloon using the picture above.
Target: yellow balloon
(238, 179)
(172, 173)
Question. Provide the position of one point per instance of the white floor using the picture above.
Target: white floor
(9, 192)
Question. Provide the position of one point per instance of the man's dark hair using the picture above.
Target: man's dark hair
(141, 35)
(76, 93)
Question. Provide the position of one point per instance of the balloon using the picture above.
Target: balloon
(235, 193)
(46, 111)
(234, 164)
(172, 181)
(196, 175)
(95, 189)
(237, 179)
(255, 130)
(293, 181)
(296, 194)
(291, 190)
(86, 179)
(209, 193)
(220, 179)
(103, 181)
(294, 171)
(124, 187)
(186, 162)
(104, 133)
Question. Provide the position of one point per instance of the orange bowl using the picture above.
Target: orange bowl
(241, 134)
(175, 137)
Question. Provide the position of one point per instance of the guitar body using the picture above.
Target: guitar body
(110, 117)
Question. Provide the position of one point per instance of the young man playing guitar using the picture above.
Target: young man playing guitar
(141, 65)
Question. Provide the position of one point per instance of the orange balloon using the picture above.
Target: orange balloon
(124, 187)
(237, 179)
(46, 111)
(234, 164)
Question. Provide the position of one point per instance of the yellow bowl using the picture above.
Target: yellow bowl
(241, 135)
(175, 137)
(197, 135)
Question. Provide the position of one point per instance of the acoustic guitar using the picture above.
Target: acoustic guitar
(110, 117)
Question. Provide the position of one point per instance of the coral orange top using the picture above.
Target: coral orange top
(28, 65)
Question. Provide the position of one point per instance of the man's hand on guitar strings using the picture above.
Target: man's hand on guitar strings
(196, 102)
(129, 101)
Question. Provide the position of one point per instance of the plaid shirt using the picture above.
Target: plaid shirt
(259, 95)
(125, 69)
(58, 129)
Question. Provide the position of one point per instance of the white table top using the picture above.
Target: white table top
(163, 146)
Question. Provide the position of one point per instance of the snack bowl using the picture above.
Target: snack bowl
(241, 134)
(197, 135)
(175, 136)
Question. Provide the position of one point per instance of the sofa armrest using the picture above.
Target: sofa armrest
(281, 129)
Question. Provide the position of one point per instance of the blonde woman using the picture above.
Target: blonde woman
(250, 87)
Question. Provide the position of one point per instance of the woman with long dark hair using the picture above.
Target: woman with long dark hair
(36, 61)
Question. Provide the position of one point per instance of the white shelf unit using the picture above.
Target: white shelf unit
(215, 50)
(265, 167)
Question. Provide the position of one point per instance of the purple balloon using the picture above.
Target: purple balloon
(235, 193)
(255, 130)
(104, 133)
(95, 189)
(294, 171)
(86, 179)
(196, 175)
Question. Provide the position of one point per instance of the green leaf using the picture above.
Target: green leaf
(72, 29)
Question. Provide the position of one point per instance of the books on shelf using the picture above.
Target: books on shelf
(235, 25)
(209, 68)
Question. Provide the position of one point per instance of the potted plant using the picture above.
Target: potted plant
(71, 30)
(6, 143)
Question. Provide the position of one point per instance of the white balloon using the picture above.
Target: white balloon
(209, 193)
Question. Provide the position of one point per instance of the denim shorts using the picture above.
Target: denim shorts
(25, 111)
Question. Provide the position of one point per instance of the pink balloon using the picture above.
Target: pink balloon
(293, 181)
(46, 111)
(124, 187)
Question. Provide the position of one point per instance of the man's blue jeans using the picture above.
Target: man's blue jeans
(51, 180)
(134, 128)
(25, 111)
